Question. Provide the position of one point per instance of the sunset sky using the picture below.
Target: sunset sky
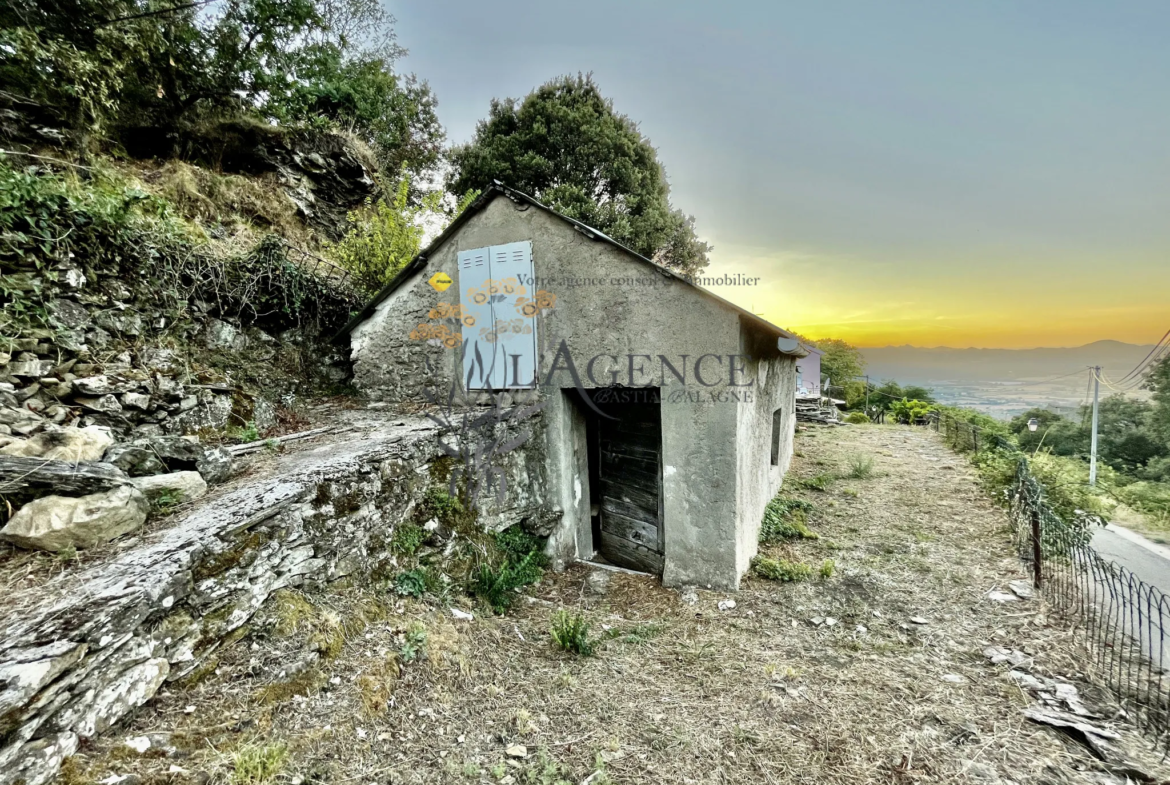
(967, 174)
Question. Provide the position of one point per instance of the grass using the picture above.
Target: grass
(818, 482)
(570, 632)
(860, 467)
(518, 561)
(781, 569)
(257, 765)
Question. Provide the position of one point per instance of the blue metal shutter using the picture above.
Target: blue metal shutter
(511, 267)
(479, 349)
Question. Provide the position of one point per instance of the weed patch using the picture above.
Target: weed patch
(781, 569)
(860, 467)
(784, 520)
(257, 765)
(518, 561)
(571, 633)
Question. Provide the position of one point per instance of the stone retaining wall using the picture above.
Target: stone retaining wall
(79, 653)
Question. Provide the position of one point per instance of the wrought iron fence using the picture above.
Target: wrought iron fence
(1122, 619)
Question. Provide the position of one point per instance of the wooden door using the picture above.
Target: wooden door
(630, 454)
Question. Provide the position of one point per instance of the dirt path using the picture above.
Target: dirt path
(770, 691)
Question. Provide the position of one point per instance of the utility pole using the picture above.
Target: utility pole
(867, 394)
(1093, 444)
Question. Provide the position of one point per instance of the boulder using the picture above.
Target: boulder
(53, 523)
(176, 486)
(217, 465)
(68, 313)
(64, 444)
(221, 336)
(23, 479)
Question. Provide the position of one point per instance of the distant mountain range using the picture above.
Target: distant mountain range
(914, 364)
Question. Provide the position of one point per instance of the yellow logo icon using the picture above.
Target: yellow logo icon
(440, 281)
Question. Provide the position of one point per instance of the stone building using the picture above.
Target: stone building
(666, 413)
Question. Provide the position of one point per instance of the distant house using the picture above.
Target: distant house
(808, 373)
(668, 412)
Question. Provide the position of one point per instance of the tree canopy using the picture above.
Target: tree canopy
(566, 145)
(105, 65)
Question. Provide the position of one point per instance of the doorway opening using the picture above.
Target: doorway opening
(625, 476)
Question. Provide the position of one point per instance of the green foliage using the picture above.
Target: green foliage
(857, 418)
(319, 63)
(827, 568)
(567, 146)
(518, 560)
(255, 764)
(46, 218)
(166, 501)
(784, 520)
(841, 361)
(412, 583)
(570, 632)
(781, 569)
(818, 482)
(911, 412)
(384, 235)
(414, 642)
(406, 539)
(860, 467)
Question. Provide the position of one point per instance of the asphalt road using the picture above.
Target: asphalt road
(1148, 561)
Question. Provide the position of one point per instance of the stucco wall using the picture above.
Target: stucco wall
(611, 304)
(757, 479)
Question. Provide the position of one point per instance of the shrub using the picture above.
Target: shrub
(571, 633)
(518, 560)
(781, 569)
(784, 520)
(860, 467)
(911, 412)
(827, 568)
(857, 418)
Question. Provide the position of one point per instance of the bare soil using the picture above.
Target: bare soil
(356, 686)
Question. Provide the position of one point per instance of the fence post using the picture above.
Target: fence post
(975, 437)
(1037, 563)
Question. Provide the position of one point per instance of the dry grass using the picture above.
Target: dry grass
(675, 693)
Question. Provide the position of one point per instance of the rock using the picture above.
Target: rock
(1001, 596)
(516, 751)
(98, 385)
(154, 455)
(30, 369)
(1022, 589)
(107, 404)
(178, 486)
(23, 479)
(98, 338)
(136, 401)
(212, 413)
(40, 760)
(726, 605)
(68, 314)
(129, 690)
(154, 744)
(158, 359)
(218, 335)
(918, 620)
(64, 444)
(24, 393)
(263, 414)
(597, 582)
(217, 465)
(261, 345)
(689, 595)
(953, 678)
(52, 523)
(462, 615)
(136, 460)
(125, 322)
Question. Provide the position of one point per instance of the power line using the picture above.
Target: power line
(1156, 354)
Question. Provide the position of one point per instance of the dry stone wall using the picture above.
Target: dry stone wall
(81, 652)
